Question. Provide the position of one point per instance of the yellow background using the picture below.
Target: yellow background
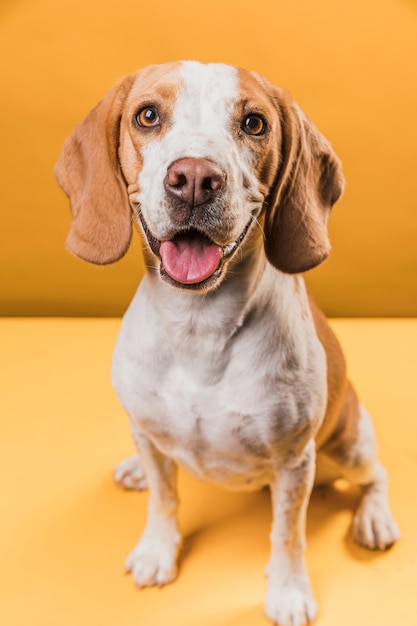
(66, 528)
(351, 64)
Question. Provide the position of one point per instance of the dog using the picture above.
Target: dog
(224, 363)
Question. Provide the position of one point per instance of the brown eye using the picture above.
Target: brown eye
(148, 117)
(254, 125)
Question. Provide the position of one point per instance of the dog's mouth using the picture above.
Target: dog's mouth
(191, 259)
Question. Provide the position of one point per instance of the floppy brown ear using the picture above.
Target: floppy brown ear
(89, 173)
(308, 183)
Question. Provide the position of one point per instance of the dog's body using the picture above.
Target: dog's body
(224, 363)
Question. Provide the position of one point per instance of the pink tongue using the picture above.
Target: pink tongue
(190, 259)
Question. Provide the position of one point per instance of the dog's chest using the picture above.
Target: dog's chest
(226, 408)
(215, 431)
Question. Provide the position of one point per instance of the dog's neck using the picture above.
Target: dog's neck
(242, 275)
(206, 323)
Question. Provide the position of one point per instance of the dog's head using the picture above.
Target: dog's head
(205, 157)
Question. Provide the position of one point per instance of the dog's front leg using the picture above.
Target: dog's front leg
(290, 601)
(153, 561)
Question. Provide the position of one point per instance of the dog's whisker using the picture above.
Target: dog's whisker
(259, 225)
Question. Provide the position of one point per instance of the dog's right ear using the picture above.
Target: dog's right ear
(88, 171)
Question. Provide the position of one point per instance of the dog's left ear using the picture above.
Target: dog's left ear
(308, 183)
(89, 172)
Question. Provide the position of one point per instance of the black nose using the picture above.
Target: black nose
(194, 181)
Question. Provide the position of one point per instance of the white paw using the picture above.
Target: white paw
(373, 525)
(130, 475)
(290, 604)
(154, 560)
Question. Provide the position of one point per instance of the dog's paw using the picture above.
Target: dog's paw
(130, 474)
(290, 604)
(373, 525)
(153, 561)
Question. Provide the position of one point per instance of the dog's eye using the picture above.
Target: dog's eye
(254, 125)
(147, 117)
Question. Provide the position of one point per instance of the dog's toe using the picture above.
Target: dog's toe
(148, 569)
(153, 562)
(290, 605)
(373, 525)
(130, 474)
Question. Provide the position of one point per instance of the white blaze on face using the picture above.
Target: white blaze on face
(202, 114)
(200, 127)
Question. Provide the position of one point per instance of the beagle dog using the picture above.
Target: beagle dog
(224, 363)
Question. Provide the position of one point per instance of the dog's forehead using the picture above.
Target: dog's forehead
(196, 89)
(161, 80)
(213, 87)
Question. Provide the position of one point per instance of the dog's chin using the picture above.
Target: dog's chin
(204, 286)
(207, 261)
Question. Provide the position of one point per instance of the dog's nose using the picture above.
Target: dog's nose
(194, 181)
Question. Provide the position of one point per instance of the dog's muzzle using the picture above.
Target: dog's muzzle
(190, 257)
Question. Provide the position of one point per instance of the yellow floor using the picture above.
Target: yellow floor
(65, 528)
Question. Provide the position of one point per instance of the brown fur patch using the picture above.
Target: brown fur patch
(156, 86)
(340, 425)
(89, 173)
(341, 442)
(253, 99)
